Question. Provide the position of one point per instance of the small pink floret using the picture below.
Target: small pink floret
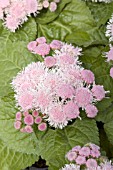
(66, 59)
(53, 6)
(25, 113)
(18, 116)
(71, 110)
(91, 110)
(65, 91)
(38, 120)
(87, 76)
(35, 113)
(91, 163)
(25, 101)
(28, 120)
(28, 129)
(98, 92)
(55, 45)
(49, 61)
(32, 45)
(71, 155)
(84, 151)
(83, 97)
(76, 148)
(45, 4)
(42, 126)
(42, 49)
(17, 125)
(41, 40)
(80, 160)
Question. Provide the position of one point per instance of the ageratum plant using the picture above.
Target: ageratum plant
(38, 116)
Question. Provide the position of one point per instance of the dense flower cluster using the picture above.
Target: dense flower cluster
(59, 86)
(89, 157)
(15, 12)
(109, 31)
(25, 120)
(109, 56)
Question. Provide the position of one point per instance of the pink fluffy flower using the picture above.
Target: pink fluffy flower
(65, 91)
(111, 72)
(66, 59)
(53, 6)
(91, 110)
(31, 6)
(42, 49)
(49, 61)
(88, 76)
(17, 125)
(42, 99)
(17, 10)
(80, 160)
(83, 97)
(71, 110)
(25, 101)
(57, 116)
(98, 92)
(91, 163)
(84, 151)
(4, 3)
(42, 126)
(28, 120)
(71, 156)
(38, 120)
(12, 23)
(41, 40)
(32, 45)
(18, 116)
(110, 55)
(28, 129)
(55, 44)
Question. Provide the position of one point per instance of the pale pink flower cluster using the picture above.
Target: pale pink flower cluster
(15, 12)
(85, 155)
(59, 86)
(89, 157)
(25, 121)
(109, 29)
(109, 56)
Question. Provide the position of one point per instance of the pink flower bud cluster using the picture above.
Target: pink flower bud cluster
(15, 12)
(109, 56)
(25, 121)
(59, 86)
(89, 157)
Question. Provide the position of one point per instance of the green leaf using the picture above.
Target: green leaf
(46, 16)
(25, 33)
(12, 160)
(76, 15)
(93, 36)
(13, 57)
(22, 142)
(56, 143)
(109, 130)
(101, 12)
